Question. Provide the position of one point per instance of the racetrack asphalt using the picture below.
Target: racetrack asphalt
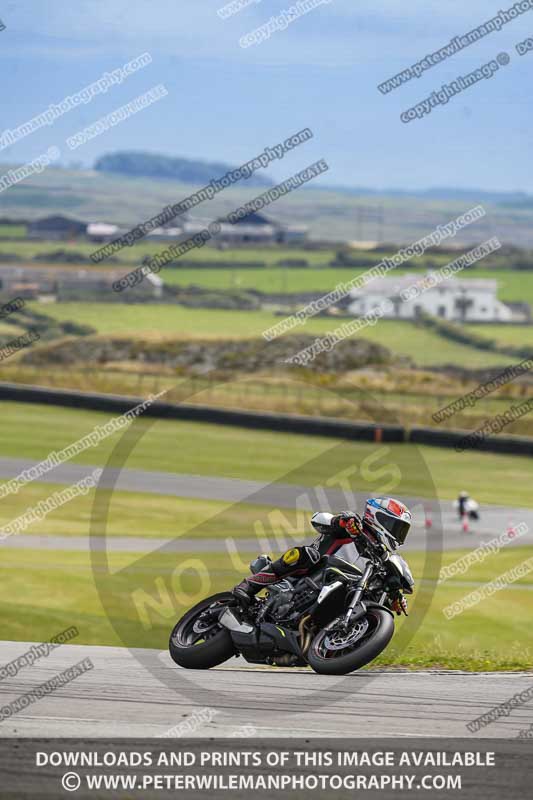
(495, 519)
(143, 693)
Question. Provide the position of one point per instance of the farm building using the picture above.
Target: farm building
(467, 300)
(70, 284)
(252, 229)
(56, 227)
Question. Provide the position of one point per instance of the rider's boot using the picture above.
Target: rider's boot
(247, 589)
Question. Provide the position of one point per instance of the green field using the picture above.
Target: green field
(33, 431)
(9, 330)
(45, 592)
(515, 335)
(513, 285)
(133, 599)
(13, 231)
(425, 347)
(136, 603)
(320, 258)
(138, 514)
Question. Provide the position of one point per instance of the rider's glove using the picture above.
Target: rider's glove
(400, 606)
(351, 522)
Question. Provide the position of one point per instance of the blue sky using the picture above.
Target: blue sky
(227, 103)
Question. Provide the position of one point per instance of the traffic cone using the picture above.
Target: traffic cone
(465, 526)
(511, 533)
(428, 522)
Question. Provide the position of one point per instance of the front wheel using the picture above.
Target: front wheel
(198, 641)
(335, 651)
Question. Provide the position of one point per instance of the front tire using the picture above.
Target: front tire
(332, 659)
(204, 647)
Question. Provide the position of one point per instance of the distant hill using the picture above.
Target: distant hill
(330, 214)
(153, 165)
(511, 199)
(139, 164)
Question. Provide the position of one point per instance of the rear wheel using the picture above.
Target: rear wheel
(197, 640)
(335, 651)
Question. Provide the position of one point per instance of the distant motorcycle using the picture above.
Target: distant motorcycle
(466, 506)
(336, 619)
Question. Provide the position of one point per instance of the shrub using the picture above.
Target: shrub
(456, 333)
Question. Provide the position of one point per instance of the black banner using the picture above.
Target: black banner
(489, 769)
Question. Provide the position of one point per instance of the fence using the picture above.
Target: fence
(289, 423)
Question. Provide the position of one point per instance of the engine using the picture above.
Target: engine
(288, 600)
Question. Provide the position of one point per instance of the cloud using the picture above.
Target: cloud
(336, 33)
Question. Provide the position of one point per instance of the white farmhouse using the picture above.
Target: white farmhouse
(467, 300)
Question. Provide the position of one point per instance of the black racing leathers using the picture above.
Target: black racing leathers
(299, 560)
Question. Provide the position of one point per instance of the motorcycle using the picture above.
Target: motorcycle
(336, 619)
(468, 507)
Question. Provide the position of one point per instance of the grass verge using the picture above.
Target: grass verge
(34, 431)
(45, 592)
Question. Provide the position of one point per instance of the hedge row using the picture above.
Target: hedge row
(457, 333)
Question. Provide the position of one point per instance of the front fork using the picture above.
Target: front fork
(351, 613)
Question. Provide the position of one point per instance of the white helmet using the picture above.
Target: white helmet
(388, 517)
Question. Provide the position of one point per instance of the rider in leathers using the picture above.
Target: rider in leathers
(335, 533)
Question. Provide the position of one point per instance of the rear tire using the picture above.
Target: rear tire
(213, 651)
(369, 649)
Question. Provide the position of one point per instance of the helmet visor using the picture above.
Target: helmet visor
(396, 527)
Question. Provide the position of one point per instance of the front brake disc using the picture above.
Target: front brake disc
(340, 640)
